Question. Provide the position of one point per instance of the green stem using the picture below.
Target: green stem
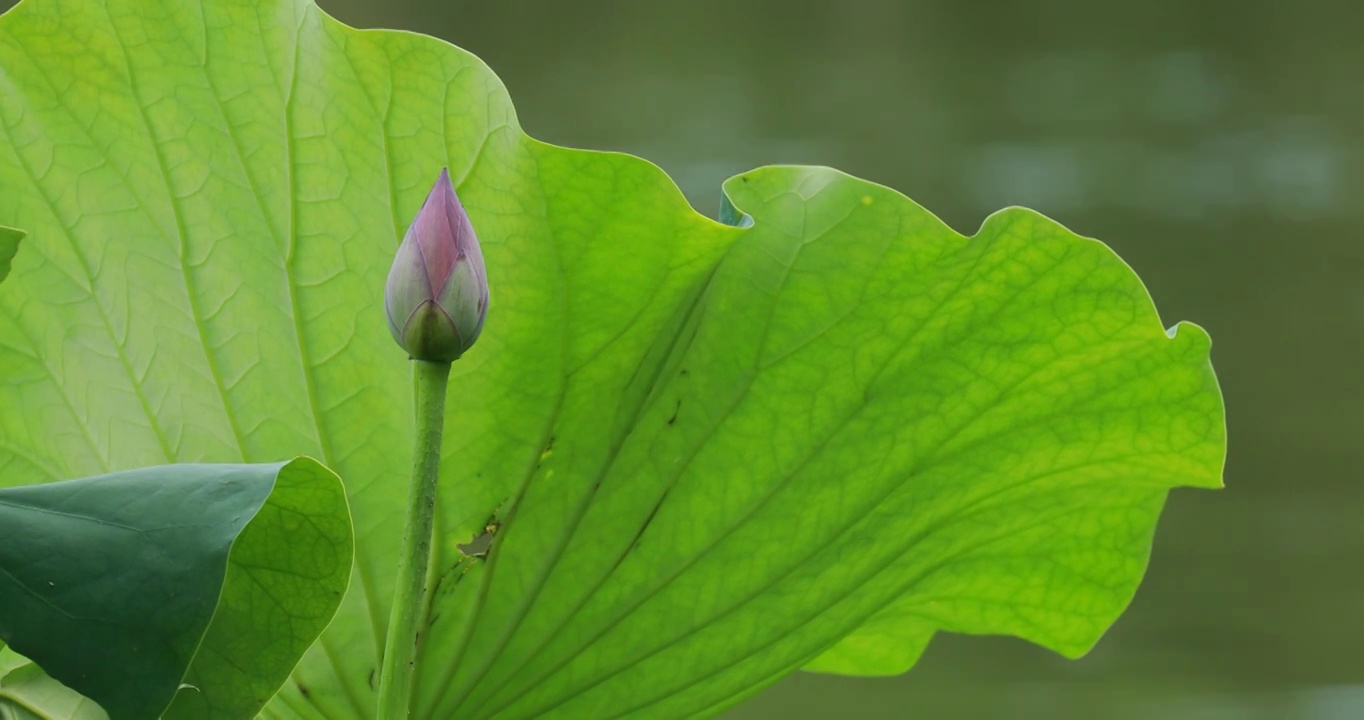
(404, 624)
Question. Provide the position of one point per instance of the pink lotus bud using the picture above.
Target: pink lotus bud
(437, 293)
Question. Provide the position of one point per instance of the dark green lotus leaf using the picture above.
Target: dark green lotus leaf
(178, 591)
(685, 458)
(9, 244)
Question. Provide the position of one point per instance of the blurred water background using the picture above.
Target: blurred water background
(1216, 145)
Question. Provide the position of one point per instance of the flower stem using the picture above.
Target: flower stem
(404, 624)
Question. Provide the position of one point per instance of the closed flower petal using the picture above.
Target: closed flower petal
(437, 292)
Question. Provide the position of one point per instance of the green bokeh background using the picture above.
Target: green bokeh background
(1217, 146)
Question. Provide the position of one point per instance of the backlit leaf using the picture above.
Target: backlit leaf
(684, 459)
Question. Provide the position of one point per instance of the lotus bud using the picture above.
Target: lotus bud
(437, 293)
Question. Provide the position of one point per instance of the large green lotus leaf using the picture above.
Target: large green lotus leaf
(190, 587)
(684, 459)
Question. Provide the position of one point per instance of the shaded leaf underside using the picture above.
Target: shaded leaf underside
(705, 456)
(177, 591)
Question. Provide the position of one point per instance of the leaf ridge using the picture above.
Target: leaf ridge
(834, 431)
(676, 348)
(362, 571)
(183, 239)
(485, 578)
(90, 293)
